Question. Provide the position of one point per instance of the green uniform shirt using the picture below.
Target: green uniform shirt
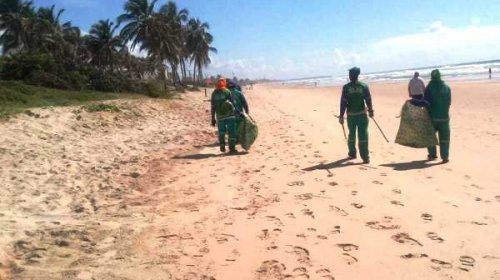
(354, 96)
(439, 97)
(222, 106)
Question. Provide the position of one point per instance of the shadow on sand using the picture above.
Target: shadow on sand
(332, 165)
(213, 145)
(205, 156)
(412, 165)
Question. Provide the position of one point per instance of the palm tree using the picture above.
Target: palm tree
(103, 45)
(16, 23)
(144, 27)
(173, 41)
(48, 32)
(199, 45)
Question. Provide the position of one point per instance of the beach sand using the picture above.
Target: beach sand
(145, 194)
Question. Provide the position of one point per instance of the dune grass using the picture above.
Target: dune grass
(17, 97)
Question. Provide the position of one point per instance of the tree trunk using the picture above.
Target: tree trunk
(194, 73)
(183, 69)
(200, 72)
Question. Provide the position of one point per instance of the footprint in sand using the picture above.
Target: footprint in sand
(324, 273)
(275, 219)
(414, 256)
(466, 263)
(376, 182)
(264, 234)
(271, 269)
(290, 215)
(223, 238)
(354, 192)
(347, 247)
(349, 259)
(426, 217)
(301, 253)
(301, 235)
(336, 230)
(385, 224)
(304, 196)
(497, 198)
(434, 236)
(398, 203)
(438, 264)
(405, 238)
(342, 212)
(473, 223)
(300, 273)
(333, 184)
(308, 212)
(357, 205)
(296, 183)
(322, 237)
(396, 191)
(272, 247)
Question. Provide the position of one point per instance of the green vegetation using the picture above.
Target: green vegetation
(40, 50)
(100, 108)
(16, 97)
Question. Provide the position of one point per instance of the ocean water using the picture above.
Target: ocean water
(466, 71)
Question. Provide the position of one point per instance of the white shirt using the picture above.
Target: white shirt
(416, 86)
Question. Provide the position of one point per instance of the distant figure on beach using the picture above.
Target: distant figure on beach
(354, 96)
(438, 95)
(490, 72)
(223, 114)
(416, 89)
(239, 101)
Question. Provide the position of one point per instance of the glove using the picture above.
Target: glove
(214, 122)
(370, 113)
(341, 119)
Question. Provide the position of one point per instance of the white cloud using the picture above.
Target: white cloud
(136, 51)
(437, 44)
(475, 21)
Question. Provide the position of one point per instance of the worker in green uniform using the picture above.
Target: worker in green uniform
(438, 95)
(223, 114)
(354, 97)
(240, 102)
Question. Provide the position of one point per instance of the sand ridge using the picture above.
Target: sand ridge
(292, 208)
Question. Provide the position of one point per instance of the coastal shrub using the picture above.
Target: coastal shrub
(46, 79)
(106, 81)
(100, 108)
(149, 88)
(76, 80)
(21, 66)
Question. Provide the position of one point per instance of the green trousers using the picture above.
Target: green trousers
(358, 123)
(228, 126)
(443, 130)
(237, 126)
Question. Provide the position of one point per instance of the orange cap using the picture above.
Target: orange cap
(221, 83)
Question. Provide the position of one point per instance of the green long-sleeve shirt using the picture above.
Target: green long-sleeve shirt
(220, 108)
(354, 96)
(439, 97)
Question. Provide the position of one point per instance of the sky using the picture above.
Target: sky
(283, 39)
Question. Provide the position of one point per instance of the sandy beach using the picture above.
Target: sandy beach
(145, 194)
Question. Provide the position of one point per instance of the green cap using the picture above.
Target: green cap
(355, 70)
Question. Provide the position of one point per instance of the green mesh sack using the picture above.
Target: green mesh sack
(416, 129)
(247, 132)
